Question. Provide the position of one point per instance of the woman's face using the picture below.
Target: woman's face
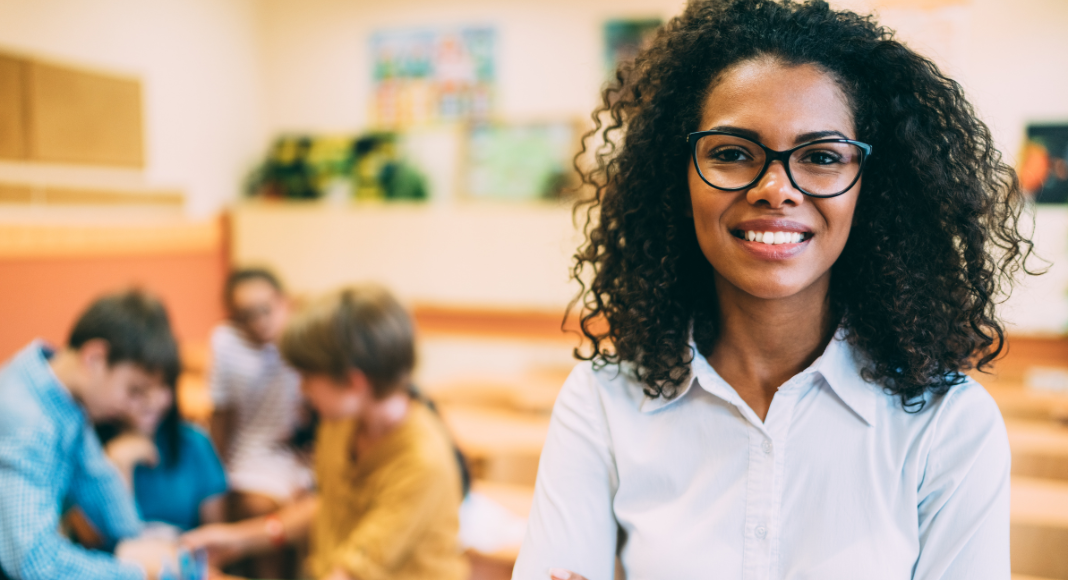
(781, 107)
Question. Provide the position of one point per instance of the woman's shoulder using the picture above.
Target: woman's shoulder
(596, 384)
(968, 403)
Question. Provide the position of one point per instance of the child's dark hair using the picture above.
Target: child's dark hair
(137, 330)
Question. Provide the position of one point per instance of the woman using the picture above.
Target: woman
(798, 236)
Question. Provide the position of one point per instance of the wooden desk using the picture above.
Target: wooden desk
(1039, 527)
(516, 499)
(1039, 448)
(1018, 401)
(502, 446)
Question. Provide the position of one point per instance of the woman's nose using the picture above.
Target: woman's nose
(775, 189)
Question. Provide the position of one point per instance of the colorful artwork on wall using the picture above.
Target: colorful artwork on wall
(1044, 163)
(624, 39)
(520, 161)
(429, 76)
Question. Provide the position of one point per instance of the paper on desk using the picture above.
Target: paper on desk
(487, 526)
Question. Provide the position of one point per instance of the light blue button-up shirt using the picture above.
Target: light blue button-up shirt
(50, 458)
(837, 483)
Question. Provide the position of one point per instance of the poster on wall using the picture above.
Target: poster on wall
(1044, 163)
(625, 38)
(426, 76)
(520, 161)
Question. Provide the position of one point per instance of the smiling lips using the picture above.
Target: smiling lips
(773, 239)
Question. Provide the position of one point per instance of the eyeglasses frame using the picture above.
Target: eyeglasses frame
(773, 155)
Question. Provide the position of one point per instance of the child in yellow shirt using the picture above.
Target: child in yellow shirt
(390, 487)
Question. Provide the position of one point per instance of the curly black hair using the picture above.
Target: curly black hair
(936, 239)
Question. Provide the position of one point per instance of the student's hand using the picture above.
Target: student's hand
(224, 543)
(130, 449)
(561, 574)
(149, 554)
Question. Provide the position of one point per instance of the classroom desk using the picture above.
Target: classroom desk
(1039, 527)
(1039, 448)
(1018, 401)
(500, 445)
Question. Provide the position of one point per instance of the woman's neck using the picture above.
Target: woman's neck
(762, 343)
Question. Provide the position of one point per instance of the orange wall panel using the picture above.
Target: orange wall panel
(41, 297)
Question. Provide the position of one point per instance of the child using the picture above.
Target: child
(49, 456)
(256, 397)
(176, 475)
(389, 483)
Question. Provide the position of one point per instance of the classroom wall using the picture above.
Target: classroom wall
(223, 76)
(316, 69)
(199, 62)
(550, 59)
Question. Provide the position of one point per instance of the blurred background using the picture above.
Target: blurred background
(426, 145)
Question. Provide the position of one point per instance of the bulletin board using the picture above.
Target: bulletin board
(76, 116)
(425, 76)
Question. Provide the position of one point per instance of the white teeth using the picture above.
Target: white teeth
(774, 238)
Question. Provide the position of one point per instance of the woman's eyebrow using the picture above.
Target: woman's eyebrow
(738, 131)
(814, 135)
(802, 138)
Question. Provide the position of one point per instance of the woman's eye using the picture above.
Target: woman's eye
(822, 158)
(729, 155)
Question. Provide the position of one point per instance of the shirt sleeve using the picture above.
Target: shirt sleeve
(572, 525)
(97, 488)
(210, 473)
(964, 495)
(31, 547)
(389, 531)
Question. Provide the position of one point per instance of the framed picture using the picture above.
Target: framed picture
(519, 161)
(625, 38)
(1044, 163)
(427, 76)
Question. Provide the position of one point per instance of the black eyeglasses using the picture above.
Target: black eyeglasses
(822, 168)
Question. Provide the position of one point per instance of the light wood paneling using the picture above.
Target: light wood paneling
(83, 117)
(51, 195)
(12, 108)
(20, 241)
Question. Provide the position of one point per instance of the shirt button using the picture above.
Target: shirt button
(766, 446)
(761, 532)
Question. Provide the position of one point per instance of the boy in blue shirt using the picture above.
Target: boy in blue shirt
(50, 459)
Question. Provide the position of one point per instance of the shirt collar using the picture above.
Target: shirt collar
(34, 363)
(704, 375)
(839, 366)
